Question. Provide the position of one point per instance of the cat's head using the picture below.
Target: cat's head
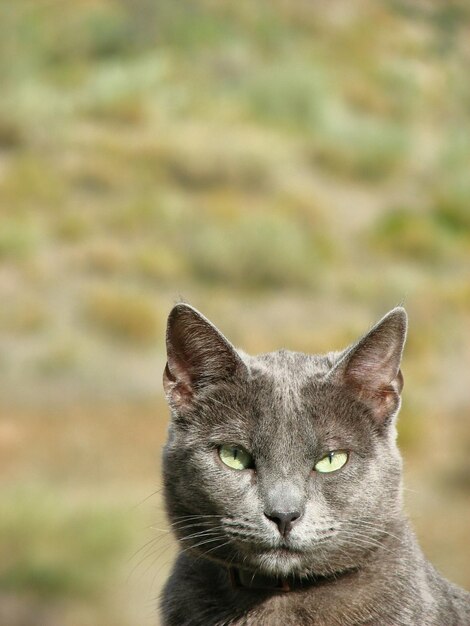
(284, 462)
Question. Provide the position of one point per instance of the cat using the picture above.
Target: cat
(283, 485)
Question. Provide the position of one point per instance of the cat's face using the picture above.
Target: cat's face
(283, 463)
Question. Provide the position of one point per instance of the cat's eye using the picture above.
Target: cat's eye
(331, 462)
(235, 457)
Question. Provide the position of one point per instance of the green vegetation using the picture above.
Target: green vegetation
(52, 547)
(125, 315)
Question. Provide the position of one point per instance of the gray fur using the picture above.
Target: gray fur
(288, 409)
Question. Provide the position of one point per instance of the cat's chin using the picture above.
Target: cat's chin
(279, 562)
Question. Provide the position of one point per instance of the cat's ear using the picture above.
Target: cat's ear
(371, 367)
(197, 355)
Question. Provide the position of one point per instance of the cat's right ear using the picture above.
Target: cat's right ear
(198, 355)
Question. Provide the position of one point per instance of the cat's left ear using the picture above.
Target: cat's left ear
(198, 356)
(371, 367)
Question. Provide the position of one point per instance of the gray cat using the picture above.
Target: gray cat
(283, 486)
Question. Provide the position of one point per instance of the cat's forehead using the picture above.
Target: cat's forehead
(285, 366)
(288, 393)
(285, 384)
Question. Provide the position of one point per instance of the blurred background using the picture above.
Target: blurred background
(293, 169)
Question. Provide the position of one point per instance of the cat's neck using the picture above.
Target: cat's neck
(241, 578)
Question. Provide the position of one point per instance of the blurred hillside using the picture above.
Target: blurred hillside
(292, 169)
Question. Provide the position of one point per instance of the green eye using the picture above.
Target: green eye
(331, 462)
(236, 458)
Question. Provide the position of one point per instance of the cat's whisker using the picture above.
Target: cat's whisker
(202, 543)
(200, 524)
(363, 540)
(148, 543)
(254, 574)
(156, 557)
(203, 533)
(149, 554)
(198, 515)
(357, 534)
(205, 553)
(239, 524)
(364, 520)
(372, 526)
(242, 533)
(154, 493)
(188, 518)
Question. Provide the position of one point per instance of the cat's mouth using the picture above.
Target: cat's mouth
(284, 550)
(286, 558)
(281, 561)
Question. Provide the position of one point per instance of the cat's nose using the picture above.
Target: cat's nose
(284, 521)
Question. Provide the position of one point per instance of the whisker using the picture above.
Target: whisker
(363, 540)
(153, 540)
(147, 498)
(202, 543)
(372, 526)
(187, 518)
(202, 533)
(204, 554)
(147, 556)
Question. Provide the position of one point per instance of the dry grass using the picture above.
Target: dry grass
(122, 314)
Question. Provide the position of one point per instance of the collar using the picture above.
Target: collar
(253, 581)
(244, 579)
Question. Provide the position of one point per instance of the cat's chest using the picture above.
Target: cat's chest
(280, 610)
(307, 607)
(203, 596)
